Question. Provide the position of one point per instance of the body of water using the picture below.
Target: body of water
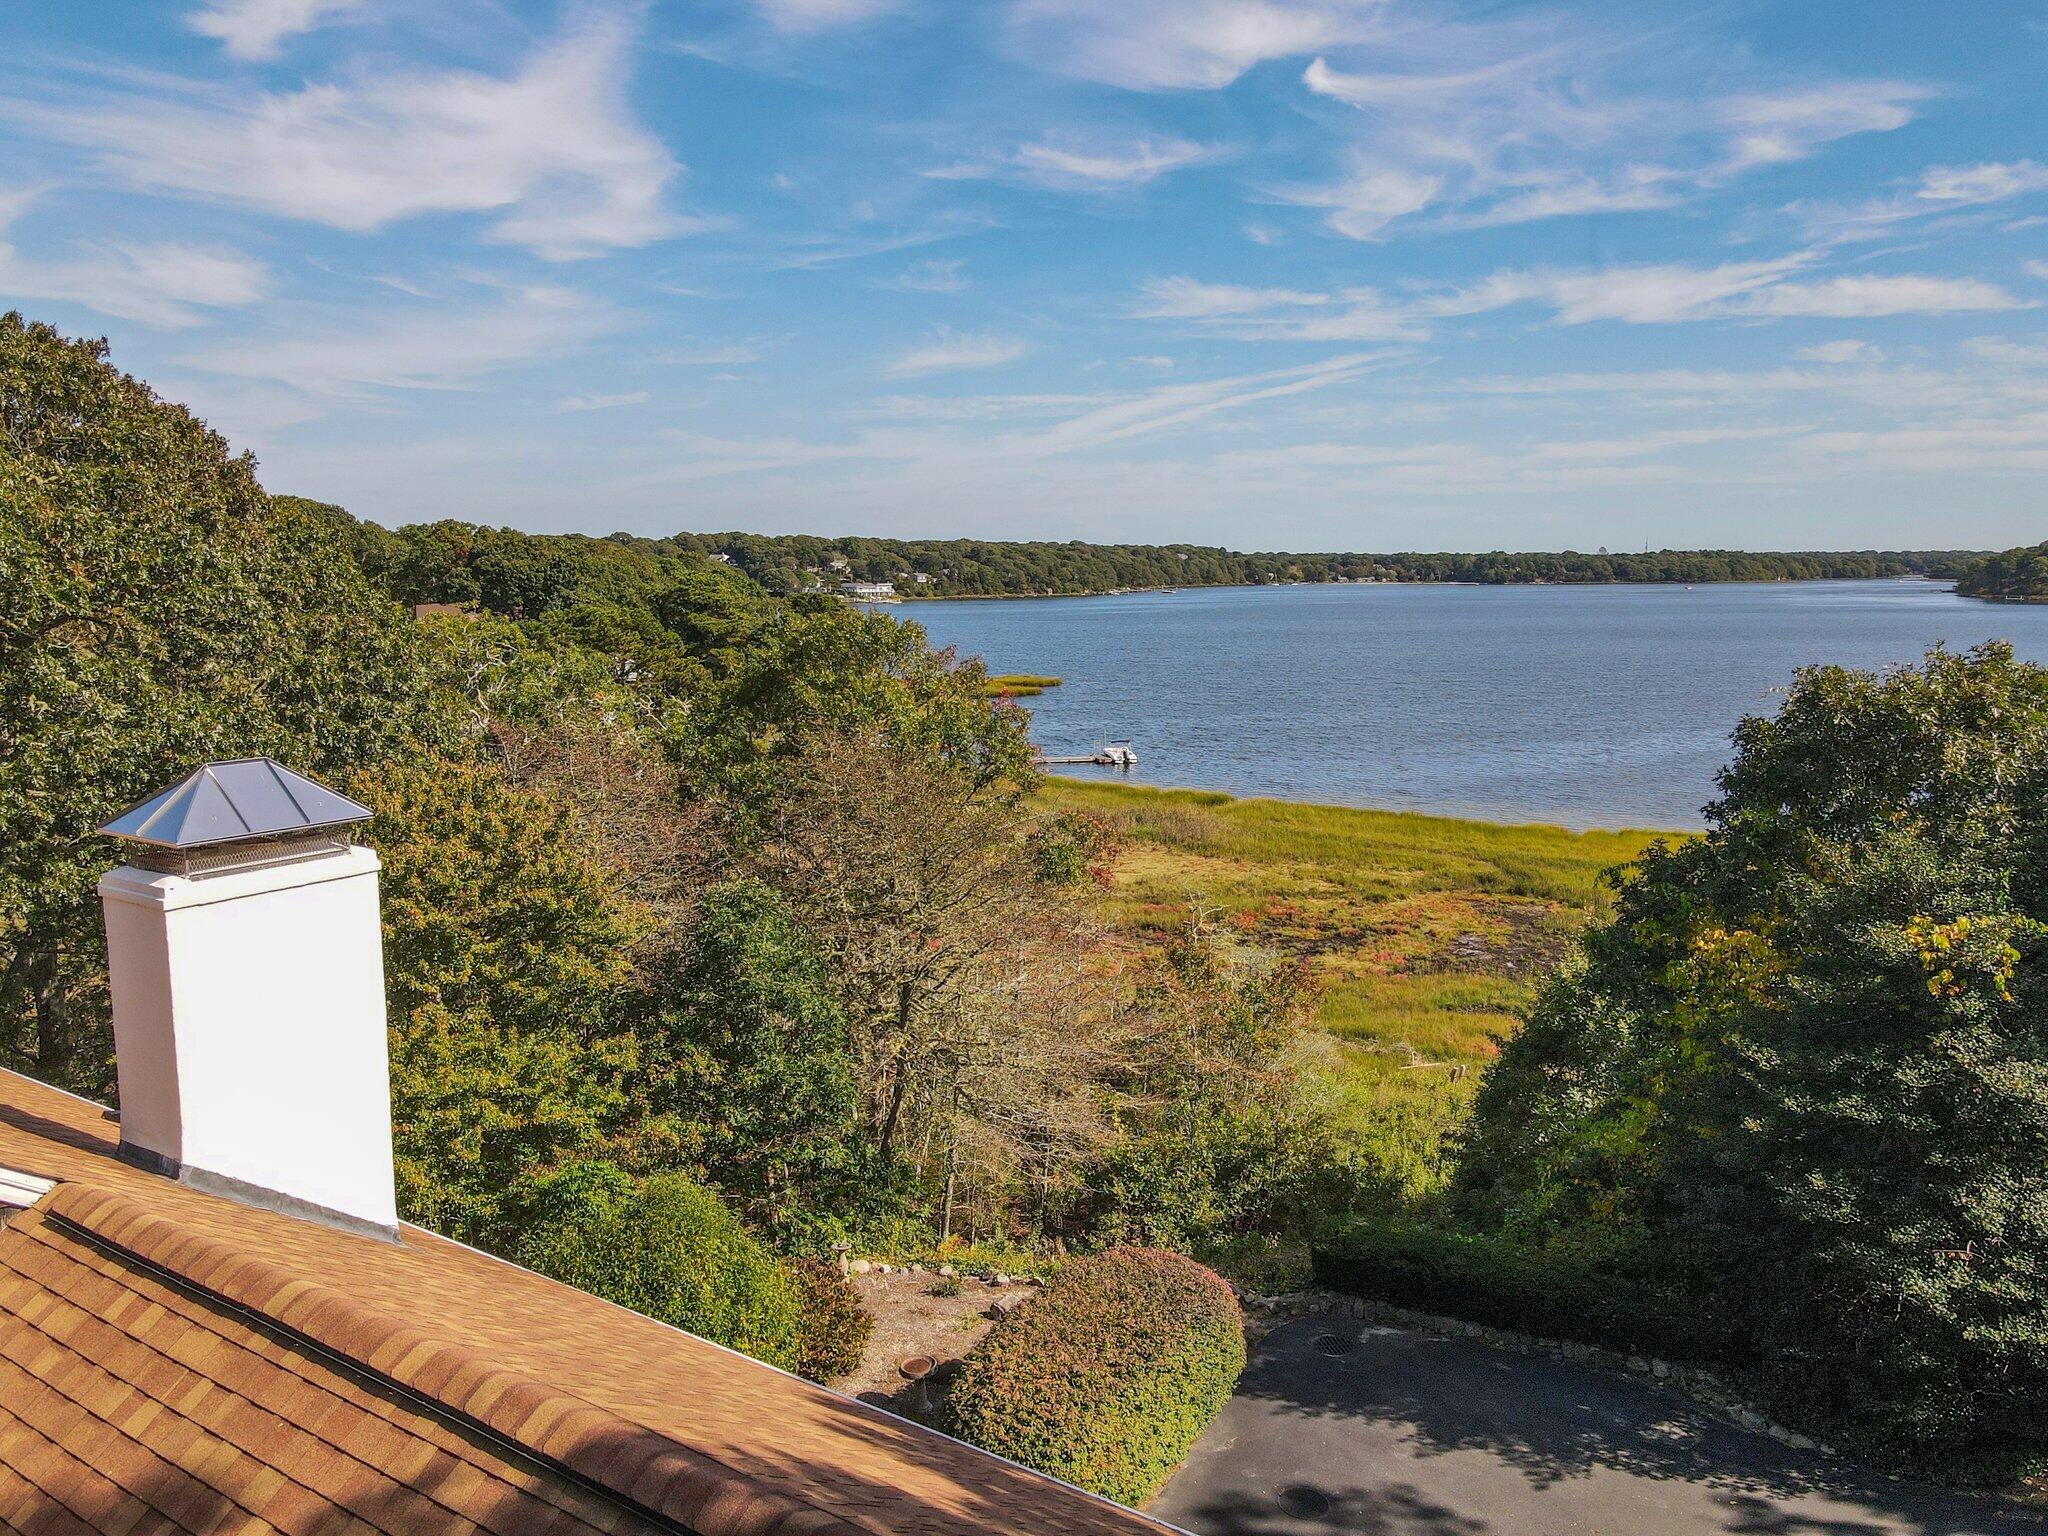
(1599, 706)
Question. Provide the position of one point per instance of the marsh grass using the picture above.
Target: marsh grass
(1018, 685)
(1428, 935)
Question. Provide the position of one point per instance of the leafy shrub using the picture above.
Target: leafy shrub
(833, 1325)
(1068, 846)
(668, 1248)
(1554, 1293)
(1107, 1378)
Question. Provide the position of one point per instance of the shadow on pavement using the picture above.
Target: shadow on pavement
(1551, 1421)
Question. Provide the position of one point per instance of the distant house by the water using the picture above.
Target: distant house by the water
(868, 591)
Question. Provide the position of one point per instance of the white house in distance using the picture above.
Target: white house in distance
(868, 591)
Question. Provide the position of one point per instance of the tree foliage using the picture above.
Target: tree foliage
(668, 1248)
(2012, 576)
(510, 981)
(156, 609)
(1806, 1065)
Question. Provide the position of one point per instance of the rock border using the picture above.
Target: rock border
(1704, 1387)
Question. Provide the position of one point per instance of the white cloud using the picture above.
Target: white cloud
(1370, 198)
(1834, 352)
(1846, 298)
(714, 355)
(2003, 349)
(816, 15)
(551, 150)
(1133, 165)
(1517, 120)
(949, 350)
(1172, 44)
(1183, 298)
(255, 29)
(1636, 295)
(1670, 293)
(1278, 314)
(1174, 405)
(1079, 166)
(2038, 269)
(158, 283)
(449, 347)
(932, 275)
(1942, 189)
(1790, 125)
(601, 402)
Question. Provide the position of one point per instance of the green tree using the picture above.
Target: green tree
(513, 994)
(1806, 1065)
(757, 1060)
(156, 609)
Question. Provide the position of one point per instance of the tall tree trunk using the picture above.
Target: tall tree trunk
(56, 1047)
(900, 1085)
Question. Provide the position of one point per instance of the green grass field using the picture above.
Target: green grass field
(1426, 934)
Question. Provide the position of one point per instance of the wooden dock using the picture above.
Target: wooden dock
(1117, 754)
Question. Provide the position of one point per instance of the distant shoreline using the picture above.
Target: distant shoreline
(902, 598)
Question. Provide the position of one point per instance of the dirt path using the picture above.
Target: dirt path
(911, 1321)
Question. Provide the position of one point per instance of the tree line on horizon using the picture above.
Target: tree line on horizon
(1021, 568)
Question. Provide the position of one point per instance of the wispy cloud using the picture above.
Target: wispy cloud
(1836, 352)
(1171, 44)
(1661, 294)
(2031, 352)
(1671, 293)
(817, 15)
(1782, 126)
(1106, 168)
(934, 274)
(1077, 165)
(1371, 197)
(1942, 189)
(947, 351)
(1507, 124)
(601, 402)
(1177, 405)
(256, 29)
(453, 346)
(829, 250)
(552, 150)
(1184, 298)
(158, 283)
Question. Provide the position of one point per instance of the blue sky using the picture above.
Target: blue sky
(1310, 274)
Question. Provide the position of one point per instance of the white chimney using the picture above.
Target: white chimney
(247, 970)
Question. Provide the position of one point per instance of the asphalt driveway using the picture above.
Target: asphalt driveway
(1343, 1426)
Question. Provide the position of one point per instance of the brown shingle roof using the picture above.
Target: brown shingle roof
(173, 1361)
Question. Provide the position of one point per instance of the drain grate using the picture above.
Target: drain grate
(1304, 1503)
(1335, 1345)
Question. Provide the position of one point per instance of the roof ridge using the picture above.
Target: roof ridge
(628, 1460)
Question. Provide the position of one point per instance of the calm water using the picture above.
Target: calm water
(1590, 706)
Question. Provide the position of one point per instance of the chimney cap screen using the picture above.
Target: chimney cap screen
(234, 802)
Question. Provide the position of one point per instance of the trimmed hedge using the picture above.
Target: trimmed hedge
(1549, 1292)
(670, 1249)
(1109, 1375)
(834, 1325)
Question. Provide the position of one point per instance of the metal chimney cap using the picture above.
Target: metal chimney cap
(241, 801)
